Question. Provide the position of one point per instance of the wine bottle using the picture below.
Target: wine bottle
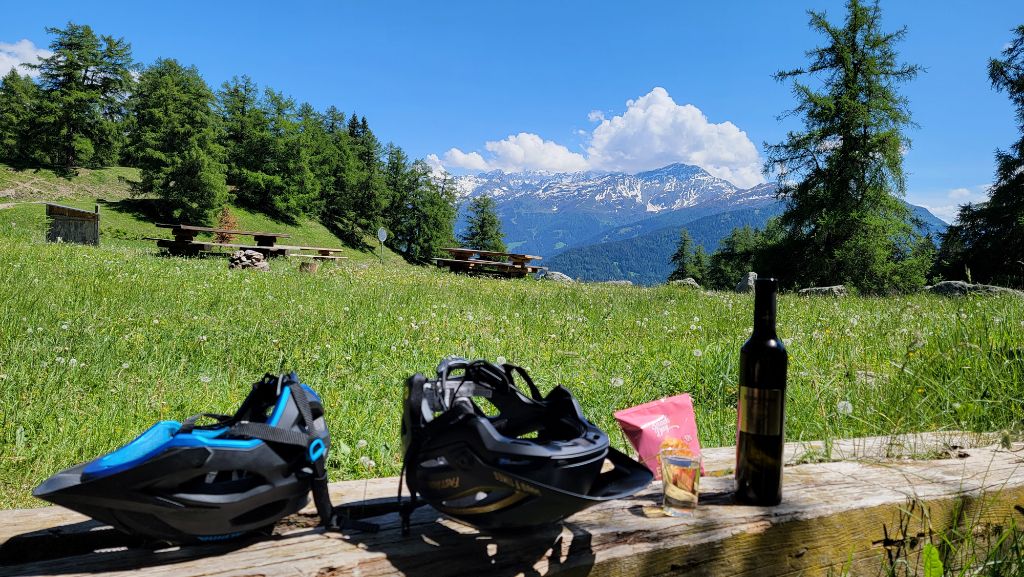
(761, 413)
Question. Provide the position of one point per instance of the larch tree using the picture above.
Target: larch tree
(175, 138)
(987, 241)
(19, 97)
(484, 227)
(86, 82)
(842, 174)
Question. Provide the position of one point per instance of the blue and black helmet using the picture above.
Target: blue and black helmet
(184, 482)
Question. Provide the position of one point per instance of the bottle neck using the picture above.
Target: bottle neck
(765, 307)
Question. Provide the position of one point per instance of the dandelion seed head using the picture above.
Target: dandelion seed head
(501, 360)
(693, 327)
(64, 327)
(205, 379)
(125, 365)
(844, 407)
(666, 363)
(156, 321)
(72, 362)
(617, 381)
(361, 444)
(697, 352)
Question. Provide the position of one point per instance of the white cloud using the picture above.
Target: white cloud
(946, 205)
(653, 132)
(525, 151)
(21, 52)
(472, 161)
(435, 164)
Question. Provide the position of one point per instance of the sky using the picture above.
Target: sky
(572, 85)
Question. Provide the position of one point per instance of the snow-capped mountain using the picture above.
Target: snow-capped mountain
(544, 213)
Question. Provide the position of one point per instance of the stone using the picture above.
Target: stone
(688, 282)
(746, 284)
(555, 276)
(954, 288)
(244, 259)
(309, 266)
(830, 291)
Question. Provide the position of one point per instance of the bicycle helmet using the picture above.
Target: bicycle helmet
(535, 462)
(182, 482)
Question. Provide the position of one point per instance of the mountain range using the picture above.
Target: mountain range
(617, 226)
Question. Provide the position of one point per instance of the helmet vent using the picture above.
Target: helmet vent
(224, 482)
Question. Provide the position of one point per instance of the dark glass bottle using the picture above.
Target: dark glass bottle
(762, 404)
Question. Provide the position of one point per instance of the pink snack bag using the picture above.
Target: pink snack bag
(647, 426)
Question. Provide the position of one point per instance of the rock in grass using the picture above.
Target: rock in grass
(554, 275)
(688, 282)
(831, 291)
(248, 259)
(954, 288)
(746, 284)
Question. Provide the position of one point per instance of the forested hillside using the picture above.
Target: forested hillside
(91, 105)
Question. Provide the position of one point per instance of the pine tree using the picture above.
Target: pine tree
(175, 136)
(19, 97)
(734, 258)
(484, 229)
(842, 175)
(699, 265)
(682, 257)
(86, 82)
(246, 140)
(988, 238)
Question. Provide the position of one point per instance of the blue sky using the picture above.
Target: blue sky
(573, 84)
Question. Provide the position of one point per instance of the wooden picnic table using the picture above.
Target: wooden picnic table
(187, 233)
(880, 498)
(473, 261)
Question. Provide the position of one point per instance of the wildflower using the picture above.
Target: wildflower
(64, 327)
(344, 309)
(125, 365)
(501, 360)
(361, 444)
(696, 319)
(920, 390)
(617, 381)
(30, 330)
(156, 321)
(72, 362)
(393, 348)
(666, 363)
(844, 407)
(205, 379)
(202, 338)
(697, 352)
(693, 327)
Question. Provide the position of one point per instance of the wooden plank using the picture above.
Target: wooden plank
(317, 256)
(319, 249)
(834, 516)
(198, 229)
(176, 246)
(456, 251)
(67, 224)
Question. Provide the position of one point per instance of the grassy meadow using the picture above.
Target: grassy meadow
(97, 343)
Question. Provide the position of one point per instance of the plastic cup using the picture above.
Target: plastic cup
(680, 477)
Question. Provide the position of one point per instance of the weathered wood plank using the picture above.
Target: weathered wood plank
(67, 224)
(847, 513)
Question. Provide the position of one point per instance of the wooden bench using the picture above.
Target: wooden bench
(322, 253)
(472, 261)
(885, 497)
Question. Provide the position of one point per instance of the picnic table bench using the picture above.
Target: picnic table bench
(473, 261)
(882, 497)
(185, 243)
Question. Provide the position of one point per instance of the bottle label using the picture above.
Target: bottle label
(760, 411)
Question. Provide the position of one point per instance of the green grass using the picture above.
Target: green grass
(96, 344)
(44, 184)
